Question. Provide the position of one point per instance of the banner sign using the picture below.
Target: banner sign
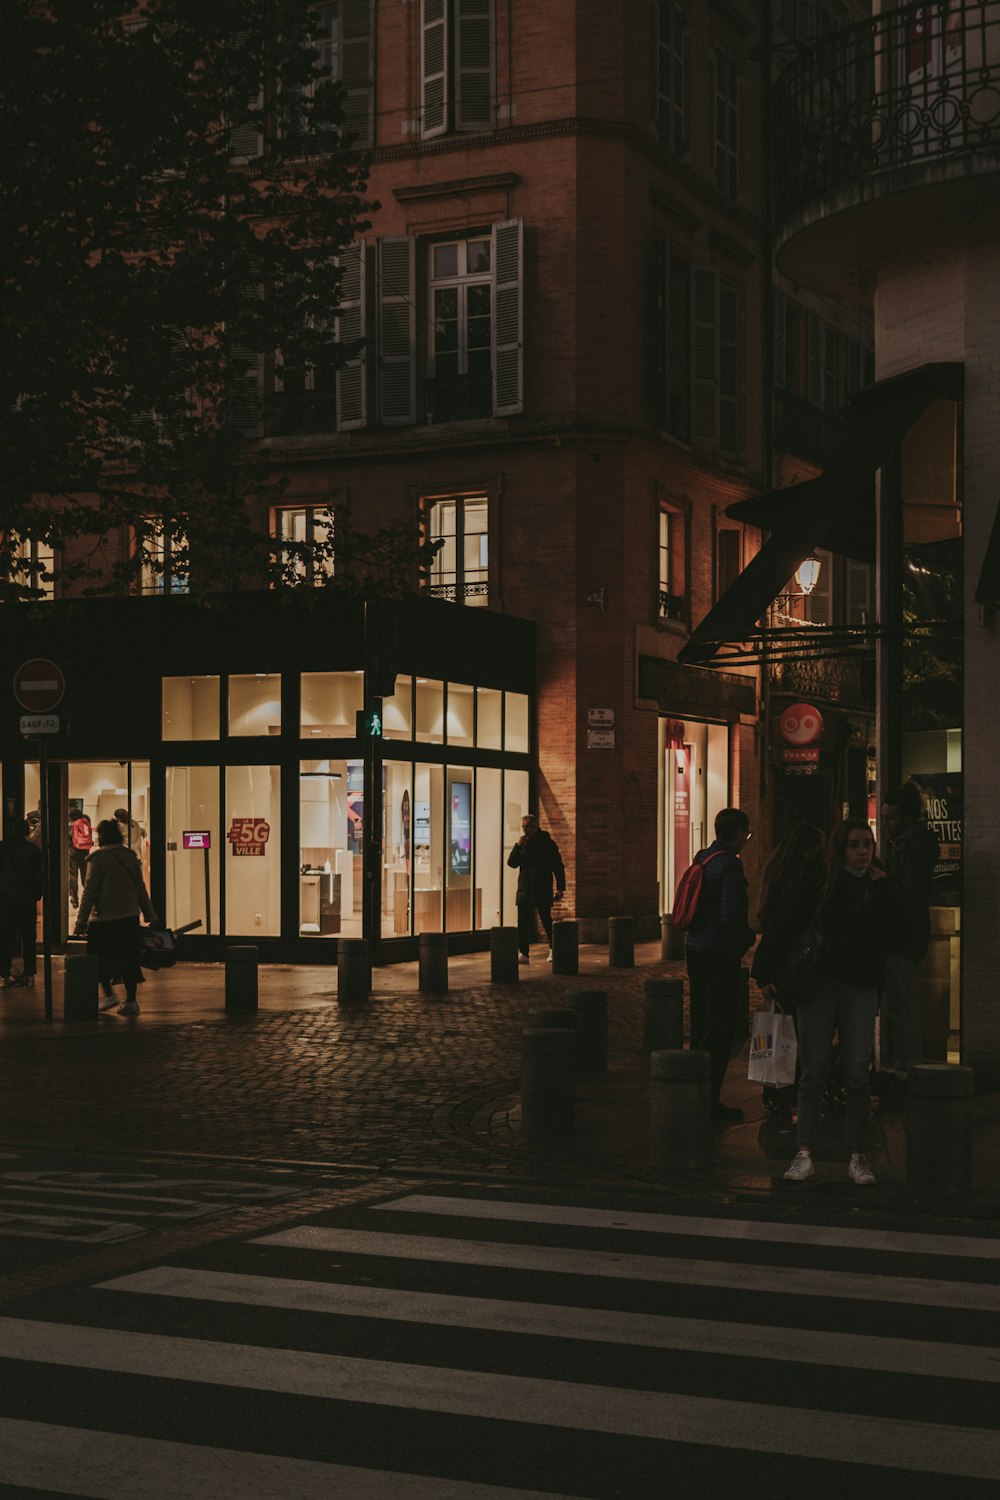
(249, 836)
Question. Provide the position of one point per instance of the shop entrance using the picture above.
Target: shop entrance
(693, 787)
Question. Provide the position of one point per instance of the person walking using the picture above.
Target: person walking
(857, 911)
(538, 863)
(81, 841)
(792, 882)
(116, 895)
(715, 943)
(911, 856)
(20, 893)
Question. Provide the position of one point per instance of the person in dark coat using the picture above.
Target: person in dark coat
(716, 941)
(792, 882)
(538, 863)
(912, 854)
(20, 892)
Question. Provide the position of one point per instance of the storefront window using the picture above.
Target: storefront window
(330, 702)
(253, 862)
(430, 711)
(329, 849)
(515, 806)
(489, 817)
(397, 711)
(461, 710)
(694, 786)
(104, 790)
(489, 704)
(191, 708)
(516, 723)
(397, 855)
(255, 704)
(458, 864)
(193, 847)
(428, 847)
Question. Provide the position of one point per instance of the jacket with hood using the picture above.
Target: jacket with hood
(114, 887)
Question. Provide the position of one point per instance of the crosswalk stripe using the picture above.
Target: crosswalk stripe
(789, 1280)
(893, 1240)
(746, 1425)
(599, 1325)
(40, 1456)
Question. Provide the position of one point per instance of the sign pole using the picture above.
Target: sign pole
(208, 893)
(47, 847)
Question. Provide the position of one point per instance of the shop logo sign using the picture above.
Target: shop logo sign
(248, 836)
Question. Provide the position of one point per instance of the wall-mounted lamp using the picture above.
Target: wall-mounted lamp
(807, 574)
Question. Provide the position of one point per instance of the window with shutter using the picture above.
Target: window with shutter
(304, 542)
(161, 552)
(507, 318)
(780, 338)
(30, 563)
(728, 559)
(859, 593)
(658, 330)
(357, 52)
(671, 80)
(814, 357)
(460, 357)
(830, 351)
(705, 352)
(397, 391)
(727, 123)
(730, 369)
(352, 377)
(434, 66)
(457, 48)
(818, 606)
(246, 378)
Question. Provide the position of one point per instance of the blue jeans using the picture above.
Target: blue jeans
(902, 1007)
(851, 1013)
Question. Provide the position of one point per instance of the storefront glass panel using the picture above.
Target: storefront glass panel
(516, 723)
(397, 854)
(255, 704)
(329, 849)
(191, 708)
(489, 815)
(194, 847)
(430, 711)
(253, 863)
(428, 847)
(515, 807)
(460, 907)
(330, 703)
(397, 711)
(461, 714)
(489, 706)
(694, 786)
(112, 790)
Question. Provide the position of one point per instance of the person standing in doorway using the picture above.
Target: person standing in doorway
(115, 893)
(20, 893)
(538, 863)
(716, 941)
(910, 858)
(81, 841)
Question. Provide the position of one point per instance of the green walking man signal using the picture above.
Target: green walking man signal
(369, 722)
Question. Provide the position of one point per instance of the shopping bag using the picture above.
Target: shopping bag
(773, 1048)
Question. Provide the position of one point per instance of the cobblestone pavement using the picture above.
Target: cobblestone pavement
(402, 1082)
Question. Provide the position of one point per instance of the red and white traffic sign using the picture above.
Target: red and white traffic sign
(39, 685)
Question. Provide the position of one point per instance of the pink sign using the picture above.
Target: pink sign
(197, 838)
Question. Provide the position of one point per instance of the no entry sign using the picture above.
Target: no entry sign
(39, 685)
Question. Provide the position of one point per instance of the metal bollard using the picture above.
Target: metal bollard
(621, 943)
(241, 980)
(591, 1010)
(354, 970)
(503, 955)
(559, 1016)
(80, 988)
(939, 1128)
(671, 938)
(664, 1019)
(548, 1082)
(566, 947)
(680, 1109)
(433, 963)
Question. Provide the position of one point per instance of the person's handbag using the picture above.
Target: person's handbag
(773, 1048)
(800, 974)
(159, 945)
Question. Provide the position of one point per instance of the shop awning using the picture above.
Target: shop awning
(836, 510)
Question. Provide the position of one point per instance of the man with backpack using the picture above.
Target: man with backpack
(81, 841)
(718, 935)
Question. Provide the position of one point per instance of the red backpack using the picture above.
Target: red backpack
(688, 892)
(82, 833)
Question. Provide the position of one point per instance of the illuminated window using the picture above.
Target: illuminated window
(29, 564)
(162, 554)
(460, 569)
(305, 538)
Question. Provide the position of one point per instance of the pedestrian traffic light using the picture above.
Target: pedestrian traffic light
(369, 722)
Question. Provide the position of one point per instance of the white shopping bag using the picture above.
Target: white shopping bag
(773, 1048)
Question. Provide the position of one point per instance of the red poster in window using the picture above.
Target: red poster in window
(682, 811)
(248, 836)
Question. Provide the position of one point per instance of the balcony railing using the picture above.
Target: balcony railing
(913, 85)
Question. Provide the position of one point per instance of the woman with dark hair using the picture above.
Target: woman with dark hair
(793, 880)
(116, 895)
(855, 916)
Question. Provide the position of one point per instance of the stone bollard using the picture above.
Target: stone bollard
(621, 943)
(548, 1081)
(80, 988)
(354, 970)
(241, 980)
(664, 1021)
(503, 955)
(566, 947)
(560, 1016)
(680, 1109)
(591, 1010)
(433, 965)
(671, 938)
(939, 1128)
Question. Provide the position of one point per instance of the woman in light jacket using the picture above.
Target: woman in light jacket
(116, 895)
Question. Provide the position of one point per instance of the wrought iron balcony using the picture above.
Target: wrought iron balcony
(916, 85)
(455, 593)
(845, 680)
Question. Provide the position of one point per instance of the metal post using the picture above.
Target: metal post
(503, 955)
(591, 1010)
(548, 1082)
(566, 947)
(241, 980)
(80, 988)
(47, 847)
(621, 943)
(680, 1109)
(433, 962)
(939, 1098)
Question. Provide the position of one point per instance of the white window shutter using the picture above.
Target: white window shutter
(434, 67)
(508, 317)
(352, 377)
(397, 332)
(819, 604)
(780, 339)
(474, 64)
(356, 54)
(246, 390)
(730, 368)
(246, 142)
(814, 357)
(704, 353)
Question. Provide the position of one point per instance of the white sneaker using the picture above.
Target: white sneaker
(859, 1171)
(523, 958)
(801, 1168)
(549, 959)
(107, 1002)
